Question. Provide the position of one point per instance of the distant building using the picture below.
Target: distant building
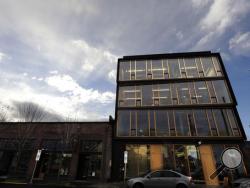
(174, 111)
(71, 150)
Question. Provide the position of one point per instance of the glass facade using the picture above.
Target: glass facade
(181, 158)
(169, 68)
(196, 122)
(185, 93)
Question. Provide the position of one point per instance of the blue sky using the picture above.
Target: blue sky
(62, 54)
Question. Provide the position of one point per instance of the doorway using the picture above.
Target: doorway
(89, 166)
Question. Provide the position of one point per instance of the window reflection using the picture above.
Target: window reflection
(142, 123)
(216, 122)
(223, 128)
(123, 123)
(208, 67)
(221, 91)
(162, 123)
(124, 73)
(202, 123)
(157, 69)
(202, 92)
(181, 120)
(183, 93)
(174, 68)
(191, 67)
(141, 70)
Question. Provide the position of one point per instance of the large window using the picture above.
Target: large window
(182, 127)
(169, 68)
(202, 92)
(198, 92)
(221, 91)
(164, 123)
(124, 72)
(208, 67)
(141, 70)
(202, 123)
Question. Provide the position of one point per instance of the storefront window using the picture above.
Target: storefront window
(180, 159)
(221, 91)
(123, 121)
(194, 161)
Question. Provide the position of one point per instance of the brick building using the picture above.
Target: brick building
(70, 150)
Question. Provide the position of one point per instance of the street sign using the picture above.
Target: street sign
(125, 157)
(38, 155)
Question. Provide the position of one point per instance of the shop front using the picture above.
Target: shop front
(199, 162)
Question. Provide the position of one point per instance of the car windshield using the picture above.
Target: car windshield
(144, 174)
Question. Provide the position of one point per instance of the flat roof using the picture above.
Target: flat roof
(169, 55)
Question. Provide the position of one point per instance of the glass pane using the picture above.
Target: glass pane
(157, 69)
(141, 70)
(208, 67)
(152, 123)
(165, 95)
(162, 123)
(232, 119)
(168, 156)
(183, 93)
(191, 68)
(195, 166)
(142, 123)
(217, 66)
(147, 95)
(180, 159)
(202, 92)
(123, 121)
(221, 91)
(223, 128)
(124, 72)
(129, 93)
(174, 68)
(181, 121)
(201, 123)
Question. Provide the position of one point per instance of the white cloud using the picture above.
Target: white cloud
(65, 83)
(223, 14)
(2, 55)
(112, 75)
(240, 44)
(54, 72)
(200, 3)
(25, 74)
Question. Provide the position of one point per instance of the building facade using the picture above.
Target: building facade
(70, 150)
(174, 111)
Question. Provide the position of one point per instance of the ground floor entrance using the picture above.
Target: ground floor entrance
(191, 160)
(89, 166)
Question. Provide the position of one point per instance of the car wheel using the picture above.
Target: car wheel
(181, 186)
(138, 185)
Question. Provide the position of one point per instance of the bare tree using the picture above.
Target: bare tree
(26, 112)
(30, 112)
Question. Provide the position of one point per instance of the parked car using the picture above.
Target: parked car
(161, 178)
(241, 183)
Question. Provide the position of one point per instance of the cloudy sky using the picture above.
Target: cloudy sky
(62, 54)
